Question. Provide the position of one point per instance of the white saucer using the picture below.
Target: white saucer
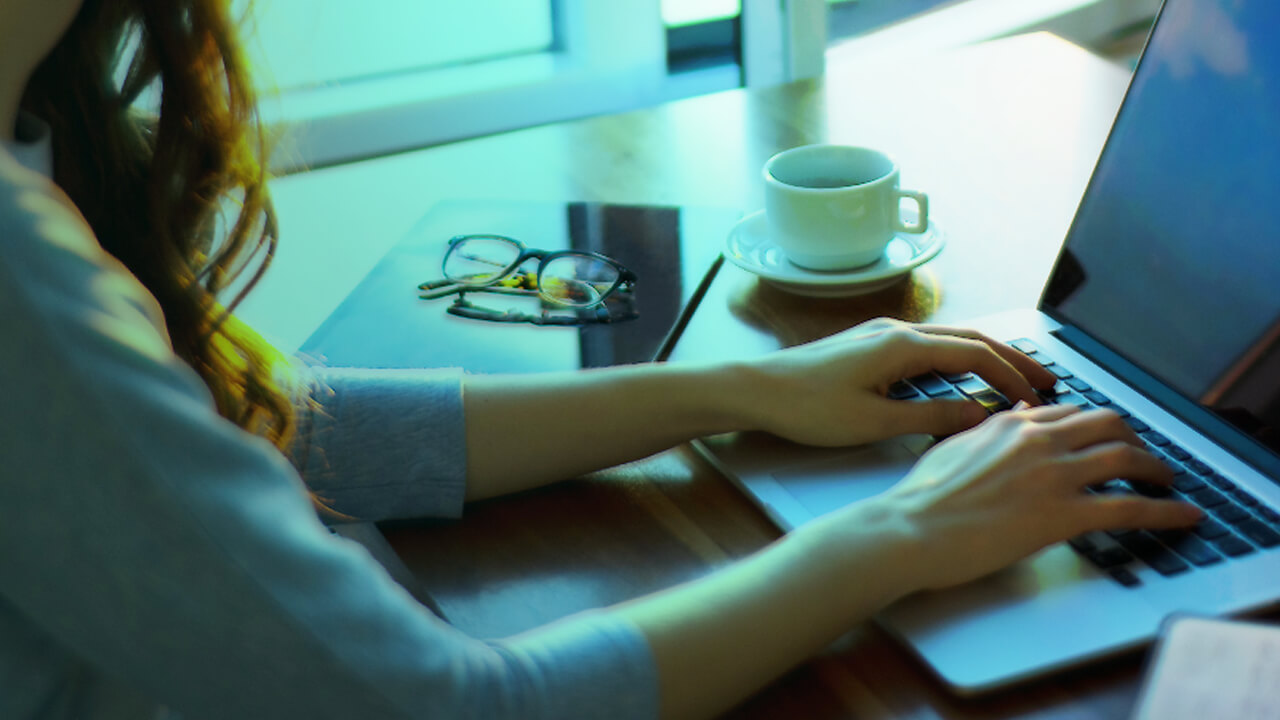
(750, 247)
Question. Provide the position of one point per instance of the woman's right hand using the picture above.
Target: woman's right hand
(1015, 484)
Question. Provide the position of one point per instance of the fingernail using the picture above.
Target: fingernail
(1021, 405)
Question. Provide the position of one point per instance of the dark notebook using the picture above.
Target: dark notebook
(384, 324)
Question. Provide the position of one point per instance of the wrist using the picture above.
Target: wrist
(724, 397)
(872, 551)
(752, 397)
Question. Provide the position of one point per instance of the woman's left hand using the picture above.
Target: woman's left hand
(833, 391)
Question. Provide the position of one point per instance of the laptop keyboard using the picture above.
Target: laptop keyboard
(1236, 524)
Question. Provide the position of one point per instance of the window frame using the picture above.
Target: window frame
(607, 57)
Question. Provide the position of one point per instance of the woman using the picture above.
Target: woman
(162, 555)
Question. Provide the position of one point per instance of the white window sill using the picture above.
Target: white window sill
(329, 125)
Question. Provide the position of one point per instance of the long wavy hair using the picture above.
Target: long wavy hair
(180, 196)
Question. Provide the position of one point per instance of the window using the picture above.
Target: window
(682, 13)
(303, 44)
(344, 80)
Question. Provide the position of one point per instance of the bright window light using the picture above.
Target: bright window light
(308, 43)
(678, 13)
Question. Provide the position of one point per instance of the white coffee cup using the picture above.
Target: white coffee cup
(836, 207)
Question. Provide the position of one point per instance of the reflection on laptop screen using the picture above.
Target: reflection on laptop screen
(1174, 257)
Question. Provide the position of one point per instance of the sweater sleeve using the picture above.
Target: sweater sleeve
(383, 444)
(174, 554)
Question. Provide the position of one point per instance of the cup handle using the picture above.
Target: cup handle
(922, 204)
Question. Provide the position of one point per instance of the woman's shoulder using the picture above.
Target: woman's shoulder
(53, 271)
(33, 208)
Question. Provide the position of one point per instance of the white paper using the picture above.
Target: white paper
(1210, 668)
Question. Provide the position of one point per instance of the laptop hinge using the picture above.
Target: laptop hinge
(1205, 421)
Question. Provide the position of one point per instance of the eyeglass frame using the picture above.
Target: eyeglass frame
(625, 276)
(602, 312)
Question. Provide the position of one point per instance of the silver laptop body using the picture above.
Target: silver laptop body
(1165, 302)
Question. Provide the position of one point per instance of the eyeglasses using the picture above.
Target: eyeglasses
(570, 280)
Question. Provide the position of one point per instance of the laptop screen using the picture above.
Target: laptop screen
(1173, 260)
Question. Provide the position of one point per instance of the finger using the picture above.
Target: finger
(1035, 373)
(1092, 427)
(1109, 512)
(949, 354)
(1113, 460)
(934, 417)
(1044, 413)
(948, 417)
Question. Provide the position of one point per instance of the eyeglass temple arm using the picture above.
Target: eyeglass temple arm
(513, 284)
(438, 289)
(464, 289)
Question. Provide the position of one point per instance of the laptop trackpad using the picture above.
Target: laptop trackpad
(835, 482)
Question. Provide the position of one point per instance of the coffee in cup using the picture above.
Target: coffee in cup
(836, 207)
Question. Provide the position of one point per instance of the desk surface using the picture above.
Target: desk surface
(1002, 136)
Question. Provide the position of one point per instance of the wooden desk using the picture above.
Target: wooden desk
(1002, 136)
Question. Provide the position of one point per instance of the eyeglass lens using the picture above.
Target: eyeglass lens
(571, 279)
(479, 260)
(579, 280)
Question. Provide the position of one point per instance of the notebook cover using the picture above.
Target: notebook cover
(383, 323)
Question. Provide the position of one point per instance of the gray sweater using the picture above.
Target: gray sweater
(157, 561)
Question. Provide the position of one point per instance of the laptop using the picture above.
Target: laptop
(1164, 305)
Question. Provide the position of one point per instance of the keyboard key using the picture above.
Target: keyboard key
(1198, 467)
(1220, 482)
(1124, 577)
(1059, 372)
(1042, 359)
(1244, 498)
(971, 386)
(1071, 398)
(1137, 425)
(1083, 543)
(1078, 385)
(1109, 557)
(902, 391)
(992, 401)
(1177, 452)
(1231, 513)
(1096, 397)
(1194, 549)
(956, 377)
(1119, 410)
(1210, 529)
(1151, 490)
(1024, 345)
(931, 385)
(1187, 483)
(1166, 563)
(1177, 470)
(1207, 497)
(1271, 515)
(1259, 533)
(1147, 549)
(1155, 438)
(1232, 545)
